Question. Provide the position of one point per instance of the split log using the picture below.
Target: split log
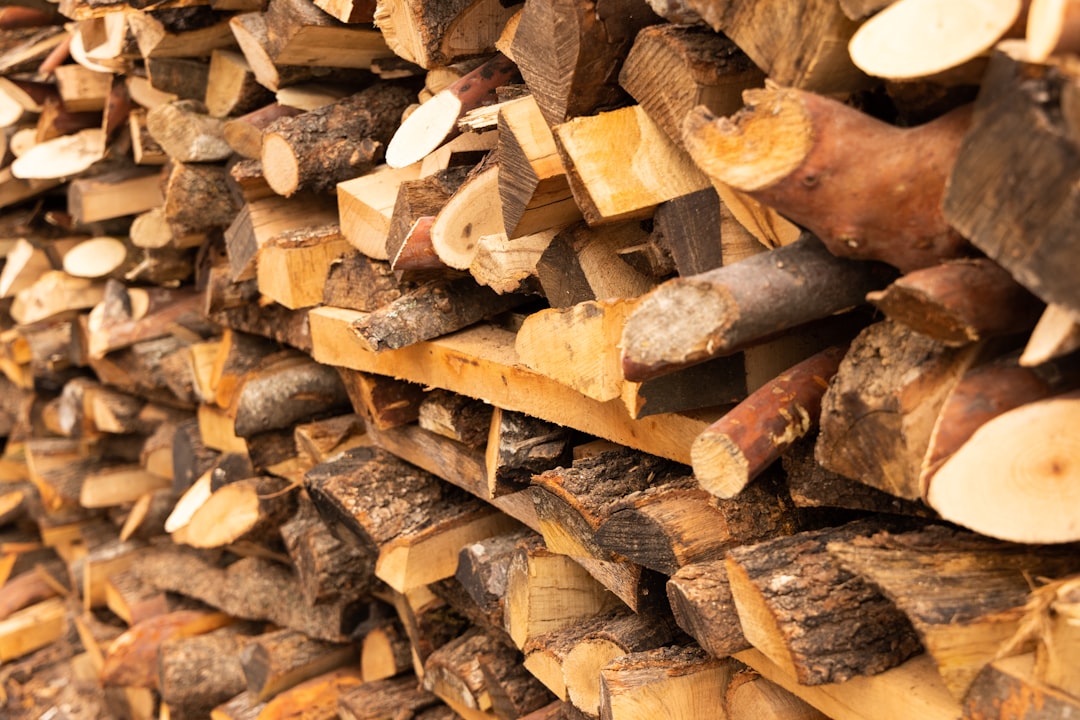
(291, 267)
(276, 661)
(194, 32)
(383, 401)
(570, 53)
(113, 195)
(241, 707)
(366, 205)
(429, 311)
(1002, 507)
(790, 56)
(32, 628)
(673, 682)
(456, 417)
(430, 622)
(740, 445)
(546, 592)
(245, 510)
(677, 523)
(195, 674)
(316, 150)
(316, 698)
(959, 301)
(358, 282)
(518, 447)
(261, 220)
(582, 263)
(251, 588)
(418, 199)
(388, 699)
(671, 69)
(533, 187)
(82, 89)
(386, 651)
(1017, 127)
(817, 636)
(231, 87)
(349, 11)
(813, 283)
(878, 432)
(328, 568)
(436, 121)
(118, 485)
(471, 213)
(509, 266)
(483, 572)
(895, 44)
(417, 543)
(1055, 335)
(606, 194)
(317, 440)
(1055, 604)
(1007, 688)
(284, 389)
(435, 37)
(965, 618)
(750, 695)
(704, 607)
(187, 132)
(26, 589)
(302, 34)
(903, 225)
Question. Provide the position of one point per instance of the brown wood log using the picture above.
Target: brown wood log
(415, 258)
(677, 523)
(198, 673)
(1055, 335)
(244, 133)
(483, 572)
(386, 651)
(1055, 603)
(877, 432)
(389, 699)
(366, 206)
(300, 153)
(187, 132)
(349, 11)
(817, 637)
(276, 661)
(414, 547)
(1002, 507)
(959, 301)
(436, 121)
(246, 510)
(791, 57)
(231, 87)
(435, 37)
(383, 401)
(291, 267)
(582, 263)
(984, 589)
(990, 214)
(1007, 688)
(907, 229)
(430, 622)
(26, 589)
(316, 698)
(301, 34)
(187, 32)
(358, 282)
(518, 447)
(814, 283)
(328, 568)
(251, 588)
(704, 607)
(259, 221)
(751, 695)
(570, 54)
(674, 680)
(132, 658)
(740, 445)
(283, 390)
(416, 199)
(470, 214)
(241, 707)
(429, 311)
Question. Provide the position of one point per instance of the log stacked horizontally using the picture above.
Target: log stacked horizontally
(531, 360)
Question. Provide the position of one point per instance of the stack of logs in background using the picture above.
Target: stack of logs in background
(557, 359)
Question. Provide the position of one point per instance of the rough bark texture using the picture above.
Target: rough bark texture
(703, 606)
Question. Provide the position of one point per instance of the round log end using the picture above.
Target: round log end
(95, 258)
(424, 130)
(281, 167)
(720, 466)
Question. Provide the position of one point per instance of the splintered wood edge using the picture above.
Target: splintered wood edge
(1017, 478)
(756, 147)
(920, 38)
(424, 130)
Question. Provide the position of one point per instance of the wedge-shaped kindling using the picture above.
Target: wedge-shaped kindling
(868, 189)
(686, 321)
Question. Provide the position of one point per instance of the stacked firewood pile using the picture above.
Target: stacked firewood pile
(553, 359)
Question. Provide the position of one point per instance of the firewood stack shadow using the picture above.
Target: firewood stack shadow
(489, 360)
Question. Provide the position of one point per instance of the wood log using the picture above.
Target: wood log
(131, 660)
(912, 377)
(814, 283)
(382, 401)
(245, 510)
(251, 588)
(912, 164)
(431, 310)
(194, 33)
(456, 417)
(283, 390)
(471, 213)
(518, 447)
(582, 263)
(302, 34)
(366, 205)
(703, 607)
(533, 187)
(392, 698)
(434, 38)
(244, 133)
(414, 548)
(509, 266)
(1055, 335)
(231, 87)
(454, 674)
(32, 628)
(861, 636)
(436, 121)
(985, 590)
(675, 682)
(358, 282)
(291, 268)
(329, 569)
(349, 11)
(182, 663)
(483, 572)
(261, 220)
(299, 153)
(26, 589)
(241, 707)
(889, 46)
(82, 89)
(988, 213)
(606, 195)
(113, 195)
(952, 301)
(1051, 28)
(740, 445)
(1007, 688)
(386, 651)
(276, 661)
(816, 61)
(1055, 603)
(416, 199)
(430, 622)
(677, 523)
(1002, 508)
(751, 695)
